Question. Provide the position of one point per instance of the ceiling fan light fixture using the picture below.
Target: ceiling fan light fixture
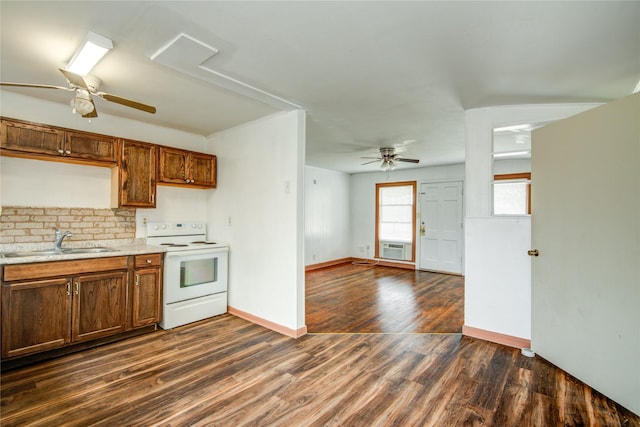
(82, 103)
(387, 165)
(92, 50)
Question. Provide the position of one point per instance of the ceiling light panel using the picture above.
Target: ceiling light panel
(90, 53)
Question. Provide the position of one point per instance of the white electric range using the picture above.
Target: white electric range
(195, 278)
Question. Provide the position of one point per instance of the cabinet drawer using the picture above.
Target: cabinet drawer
(40, 270)
(148, 260)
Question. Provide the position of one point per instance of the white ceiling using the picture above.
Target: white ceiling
(369, 74)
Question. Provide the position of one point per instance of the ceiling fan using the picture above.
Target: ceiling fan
(388, 158)
(85, 87)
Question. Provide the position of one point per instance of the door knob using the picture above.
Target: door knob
(533, 252)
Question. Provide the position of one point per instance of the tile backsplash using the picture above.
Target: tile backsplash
(35, 225)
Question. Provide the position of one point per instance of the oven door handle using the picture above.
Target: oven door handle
(210, 251)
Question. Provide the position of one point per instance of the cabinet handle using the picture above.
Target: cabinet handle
(67, 152)
(149, 261)
(138, 279)
(77, 288)
(69, 288)
(60, 151)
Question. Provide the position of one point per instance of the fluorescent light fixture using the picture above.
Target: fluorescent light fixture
(92, 50)
(511, 154)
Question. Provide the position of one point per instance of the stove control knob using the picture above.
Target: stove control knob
(199, 225)
(193, 226)
(164, 226)
(155, 227)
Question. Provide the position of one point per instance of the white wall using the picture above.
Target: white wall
(511, 166)
(327, 225)
(41, 183)
(498, 293)
(258, 209)
(363, 199)
(586, 225)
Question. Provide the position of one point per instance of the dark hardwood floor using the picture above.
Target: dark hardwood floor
(365, 299)
(226, 371)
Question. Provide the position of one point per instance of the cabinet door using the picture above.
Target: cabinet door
(203, 169)
(146, 297)
(174, 166)
(89, 146)
(136, 186)
(99, 305)
(36, 316)
(31, 138)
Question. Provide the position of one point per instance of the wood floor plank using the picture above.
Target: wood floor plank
(225, 371)
(365, 299)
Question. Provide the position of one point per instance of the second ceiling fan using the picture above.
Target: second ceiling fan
(388, 159)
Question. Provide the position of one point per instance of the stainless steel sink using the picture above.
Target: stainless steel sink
(92, 250)
(31, 253)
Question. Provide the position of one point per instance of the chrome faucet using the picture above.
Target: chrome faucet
(60, 235)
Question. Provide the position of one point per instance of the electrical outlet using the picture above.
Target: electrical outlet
(361, 248)
(313, 257)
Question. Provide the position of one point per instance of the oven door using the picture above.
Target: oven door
(192, 274)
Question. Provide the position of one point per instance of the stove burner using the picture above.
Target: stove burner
(202, 242)
(173, 245)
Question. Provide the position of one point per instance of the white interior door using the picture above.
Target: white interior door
(440, 226)
(585, 225)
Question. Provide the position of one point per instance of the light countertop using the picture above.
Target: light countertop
(120, 247)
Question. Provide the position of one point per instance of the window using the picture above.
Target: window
(512, 194)
(395, 220)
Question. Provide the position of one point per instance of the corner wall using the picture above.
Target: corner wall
(258, 208)
(327, 222)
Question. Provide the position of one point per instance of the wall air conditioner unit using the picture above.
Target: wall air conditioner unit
(399, 251)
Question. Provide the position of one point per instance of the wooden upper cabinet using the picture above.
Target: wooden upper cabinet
(186, 168)
(36, 141)
(203, 169)
(174, 166)
(134, 181)
(91, 146)
(31, 138)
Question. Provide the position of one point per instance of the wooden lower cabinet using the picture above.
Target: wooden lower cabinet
(146, 297)
(42, 313)
(99, 306)
(35, 316)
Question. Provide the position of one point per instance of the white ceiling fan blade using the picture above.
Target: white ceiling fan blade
(74, 79)
(35, 85)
